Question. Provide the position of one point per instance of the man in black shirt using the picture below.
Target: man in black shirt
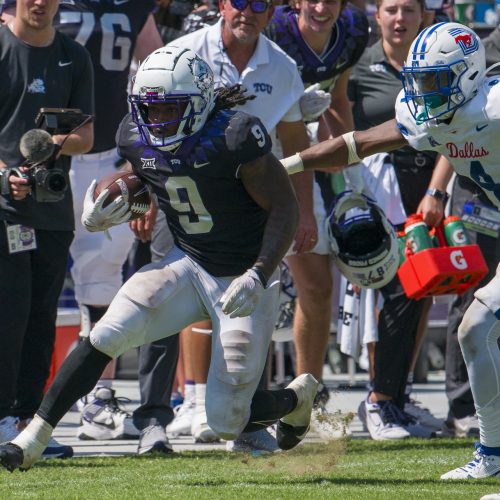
(42, 68)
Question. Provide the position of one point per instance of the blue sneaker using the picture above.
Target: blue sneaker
(57, 450)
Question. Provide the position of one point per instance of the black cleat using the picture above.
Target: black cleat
(289, 437)
(11, 456)
(292, 428)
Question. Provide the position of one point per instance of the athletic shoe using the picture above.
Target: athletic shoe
(491, 496)
(292, 428)
(8, 429)
(422, 415)
(381, 420)
(200, 429)
(11, 456)
(154, 438)
(103, 418)
(256, 443)
(57, 450)
(181, 424)
(461, 427)
(482, 466)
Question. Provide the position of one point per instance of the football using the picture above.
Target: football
(129, 186)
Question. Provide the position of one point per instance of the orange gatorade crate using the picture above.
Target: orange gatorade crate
(67, 329)
(442, 270)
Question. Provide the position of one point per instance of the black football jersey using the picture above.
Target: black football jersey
(348, 41)
(212, 217)
(108, 29)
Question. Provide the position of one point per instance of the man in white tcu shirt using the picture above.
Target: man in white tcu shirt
(448, 105)
(238, 53)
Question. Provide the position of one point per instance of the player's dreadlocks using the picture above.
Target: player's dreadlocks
(229, 97)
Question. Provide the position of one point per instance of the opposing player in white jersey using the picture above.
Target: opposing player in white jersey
(448, 105)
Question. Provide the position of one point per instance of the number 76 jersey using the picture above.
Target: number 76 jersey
(211, 215)
(471, 142)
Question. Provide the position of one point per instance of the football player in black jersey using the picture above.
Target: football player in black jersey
(233, 214)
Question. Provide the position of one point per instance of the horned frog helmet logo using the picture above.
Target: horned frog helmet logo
(202, 75)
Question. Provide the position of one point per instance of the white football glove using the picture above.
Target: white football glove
(314, 102)
(96, 218)
(242, 295)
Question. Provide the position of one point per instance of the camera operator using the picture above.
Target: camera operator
(41, 68)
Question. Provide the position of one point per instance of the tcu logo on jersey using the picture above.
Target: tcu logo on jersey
(458, 260)
(263, 87)
(465, 40)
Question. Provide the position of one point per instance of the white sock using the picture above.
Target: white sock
(189, 393)
(200, 391)
(33, 440)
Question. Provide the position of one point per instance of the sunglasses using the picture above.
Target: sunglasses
(256, 6)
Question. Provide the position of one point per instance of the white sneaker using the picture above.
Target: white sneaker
(379, 420)
(103, 419)
(256, 443)
(200, 429)
(181, 424)
(491, 496)
(154, 439)
(482, 466)
(423, 415)
(8, 429)
(292, 428)
(461, 427)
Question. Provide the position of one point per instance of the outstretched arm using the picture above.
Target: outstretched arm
(332, 154)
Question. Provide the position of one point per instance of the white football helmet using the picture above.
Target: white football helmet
(445, 65)
(363, 241)
(172, 75)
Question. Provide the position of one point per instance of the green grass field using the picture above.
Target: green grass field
(354, 469)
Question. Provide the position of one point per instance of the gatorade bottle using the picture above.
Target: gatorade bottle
(417, 233)
(402, 246)
(455, 232)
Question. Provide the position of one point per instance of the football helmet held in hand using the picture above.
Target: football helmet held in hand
(362, 240)
(445, 65)
(172, 96)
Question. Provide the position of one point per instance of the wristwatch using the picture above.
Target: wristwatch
(439, 195)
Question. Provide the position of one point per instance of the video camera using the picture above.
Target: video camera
(48, 182)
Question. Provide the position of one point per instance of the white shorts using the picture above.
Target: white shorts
(163, 298)
(97, 261)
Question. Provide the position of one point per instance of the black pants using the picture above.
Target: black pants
(30, 284)
(399, 317)
(397, 327)
(158, 360)
(458, 390)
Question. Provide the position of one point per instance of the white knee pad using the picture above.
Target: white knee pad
(122, 327)
(239, 361)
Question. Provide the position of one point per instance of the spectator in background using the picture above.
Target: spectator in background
(113, 34)
(374, 86)
(45, 69)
